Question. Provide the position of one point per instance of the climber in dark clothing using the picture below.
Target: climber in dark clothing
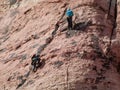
(56, 28)
(69, 14)
(35, 61)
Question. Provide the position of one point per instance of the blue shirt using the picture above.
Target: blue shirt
(69, 13)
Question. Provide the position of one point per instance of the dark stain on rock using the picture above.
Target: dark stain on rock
(94, 87)
(58, 63)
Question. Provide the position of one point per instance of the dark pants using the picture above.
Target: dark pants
(69, 19)
(35, 63)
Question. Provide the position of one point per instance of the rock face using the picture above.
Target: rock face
(85, 58)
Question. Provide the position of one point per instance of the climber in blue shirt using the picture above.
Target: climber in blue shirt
(69, 14)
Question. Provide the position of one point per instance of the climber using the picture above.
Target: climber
(35, 62)
(56, 27)
(69, 14)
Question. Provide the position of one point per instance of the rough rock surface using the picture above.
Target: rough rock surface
(85, 58)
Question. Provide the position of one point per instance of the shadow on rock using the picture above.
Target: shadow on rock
(81, 25)
(42, 64)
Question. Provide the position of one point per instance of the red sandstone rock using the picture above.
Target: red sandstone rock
(72, 60)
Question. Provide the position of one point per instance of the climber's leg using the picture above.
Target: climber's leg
(69, 19)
